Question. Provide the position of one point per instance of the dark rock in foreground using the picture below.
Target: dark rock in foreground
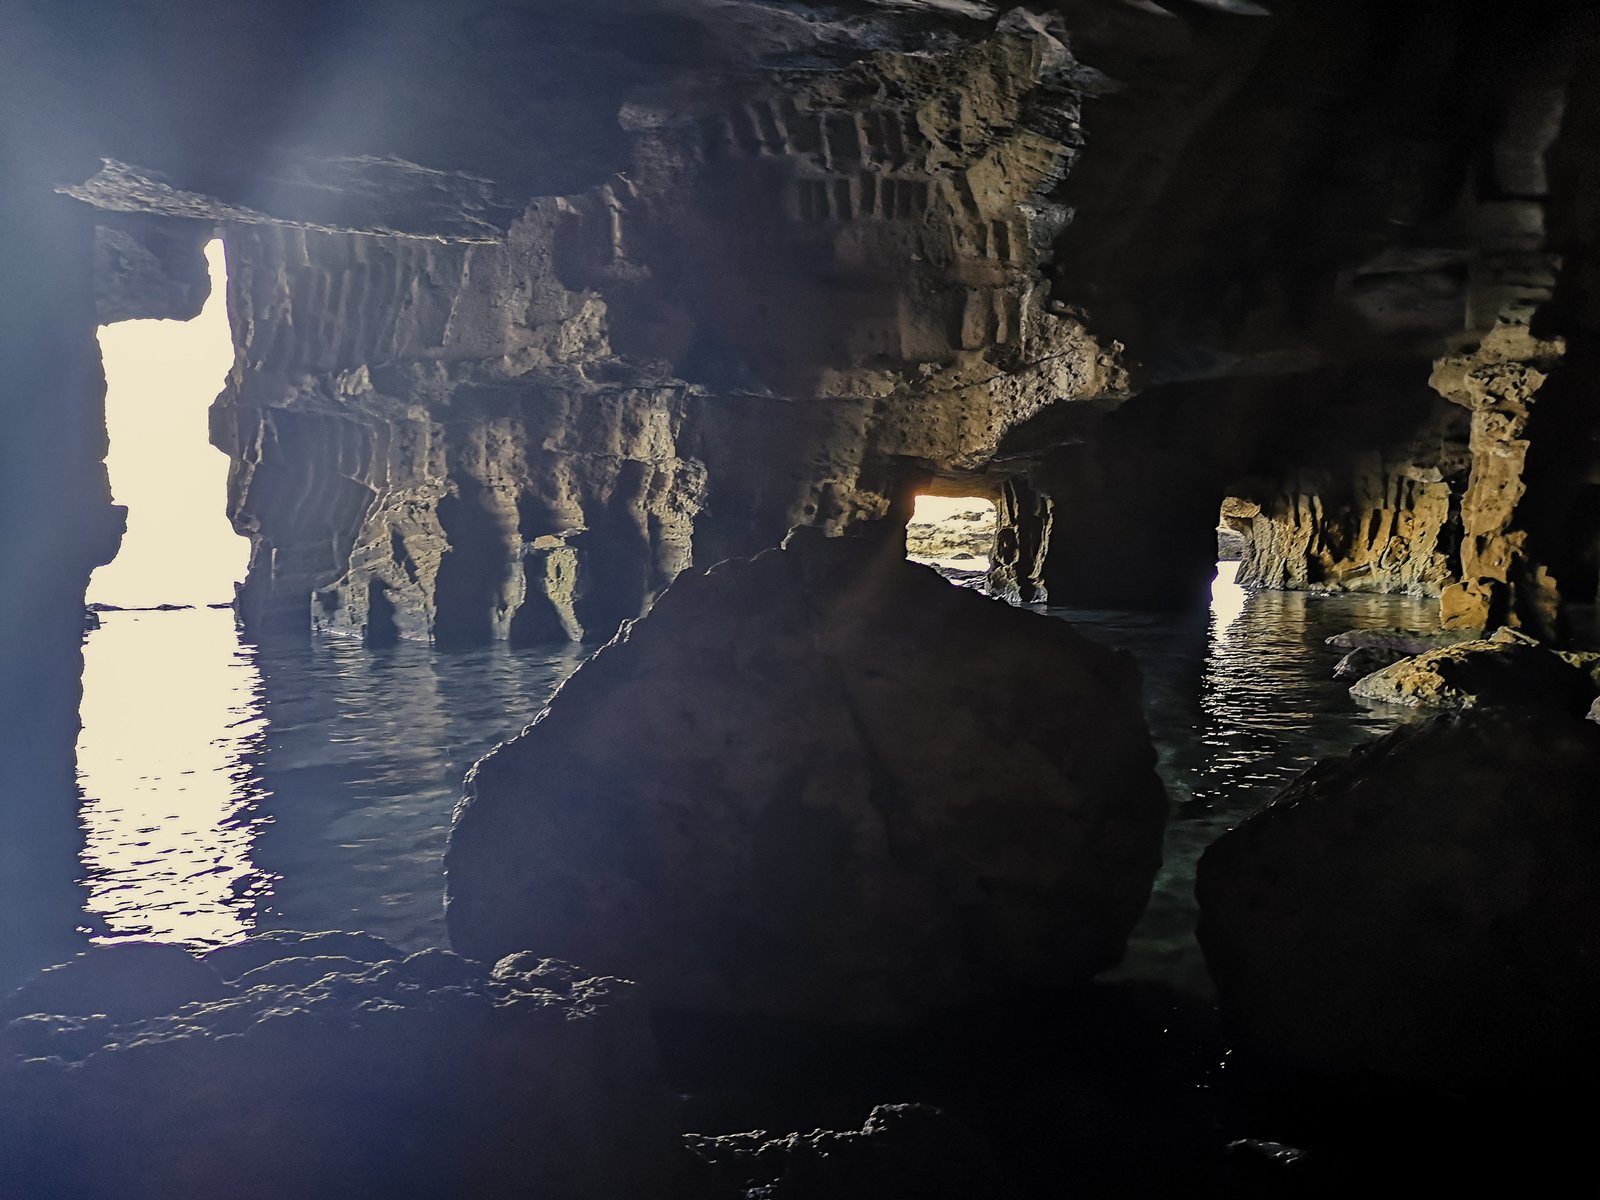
(822, 784)
(323, 1074)
(1427, 908)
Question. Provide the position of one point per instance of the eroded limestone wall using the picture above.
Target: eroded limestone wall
(802, 291)
(1388, 521)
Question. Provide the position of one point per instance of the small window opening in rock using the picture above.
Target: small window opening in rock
(161, 376)
(1233, 525)
(954, 535)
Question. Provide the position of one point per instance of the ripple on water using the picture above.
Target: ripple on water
(1240, 700)
(227, 785)
(309, 783)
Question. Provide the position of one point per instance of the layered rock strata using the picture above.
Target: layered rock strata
(1392, 525)
(801, 289)
(821, 784)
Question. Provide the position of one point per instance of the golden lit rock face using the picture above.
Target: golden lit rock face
(1499, 383)
(822, 784)
(1383, 523)
(1510, 669)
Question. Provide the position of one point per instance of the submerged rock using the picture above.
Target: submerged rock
(1427, 908)
(1358, 664)
(1507, 669)
(909, 1151)
(821, 783)
(1399, 642)
(323, 1074)
(126, 981)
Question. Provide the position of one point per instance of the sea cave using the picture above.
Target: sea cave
(798, 599)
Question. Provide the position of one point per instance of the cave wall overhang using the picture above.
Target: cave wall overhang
(734, 266)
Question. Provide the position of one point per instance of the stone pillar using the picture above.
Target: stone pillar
(1514, 274)
(1016, 572)
(1499, 382)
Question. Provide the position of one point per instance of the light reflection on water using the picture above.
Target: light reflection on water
(309, 784)
(305, 785)
(172, 727)
(1240, 700)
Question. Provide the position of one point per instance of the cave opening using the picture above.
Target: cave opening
(161, 376)
(954, 535)
(171, 714)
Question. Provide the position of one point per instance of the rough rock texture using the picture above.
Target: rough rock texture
(544, 303)
(1507, 669)
(329, 1065)
(821, 784)
(902, 1152)
(802, 283)
(1021, 541)
(1371, 650)
(147, 268)
(1390, 524)
(1498, 382)
(1426, 908)
(1358, 664)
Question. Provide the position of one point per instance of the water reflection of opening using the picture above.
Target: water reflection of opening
(172, 727)
(1227, 600)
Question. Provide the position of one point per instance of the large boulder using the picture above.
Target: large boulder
(322, 1074)
(821, 783)
(1507, 669)
(1427, 908)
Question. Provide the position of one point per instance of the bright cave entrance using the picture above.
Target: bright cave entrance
(172, 712)
(954, 535)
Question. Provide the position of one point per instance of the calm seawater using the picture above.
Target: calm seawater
(1240, 699)
(229, 786)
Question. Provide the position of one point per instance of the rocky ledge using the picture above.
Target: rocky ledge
(1507, 669)
(328, 1065)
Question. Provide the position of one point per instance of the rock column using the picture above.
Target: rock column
(1500, 583)
(1021, 541)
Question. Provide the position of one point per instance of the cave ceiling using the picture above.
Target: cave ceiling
(776, 255)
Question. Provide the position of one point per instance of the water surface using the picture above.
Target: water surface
(1240, 700)
(228, 786)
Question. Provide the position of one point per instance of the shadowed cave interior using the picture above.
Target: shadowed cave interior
(880, 598)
